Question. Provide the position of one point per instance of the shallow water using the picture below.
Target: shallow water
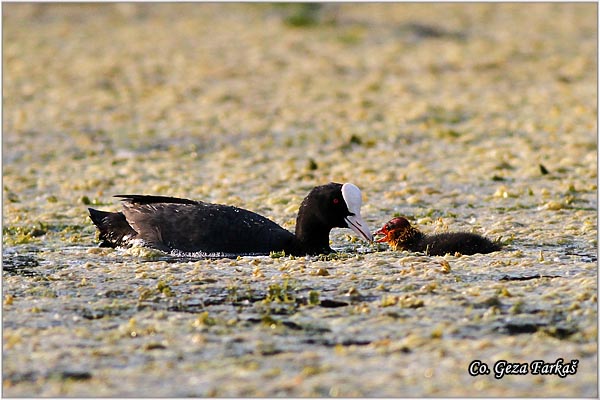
(436, 112)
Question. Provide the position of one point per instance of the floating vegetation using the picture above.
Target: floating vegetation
(253, 105)
(204, 319)
(15, 235)
(313, 297)
(446, 269)
(320, 272)
(333, 256)
(312, 165)
(387, 301)
(302, 15)
(165, 289)
(408, 301)
(281, 293)
(277, 254)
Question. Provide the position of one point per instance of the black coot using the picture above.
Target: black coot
(186, 226)
(400, 235)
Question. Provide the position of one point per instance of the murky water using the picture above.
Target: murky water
(436, 112)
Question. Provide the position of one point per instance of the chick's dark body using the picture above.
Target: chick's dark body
(401, 235)
(452, 242)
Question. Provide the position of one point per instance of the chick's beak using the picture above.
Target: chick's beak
(383, 232)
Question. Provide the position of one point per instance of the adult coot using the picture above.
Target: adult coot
(187, 226)
(400, 235)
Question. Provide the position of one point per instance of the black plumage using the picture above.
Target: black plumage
(187, 226)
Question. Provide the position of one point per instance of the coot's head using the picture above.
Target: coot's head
(397, 231)
(334, 205)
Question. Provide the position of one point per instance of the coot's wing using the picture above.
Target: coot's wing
(204, 227)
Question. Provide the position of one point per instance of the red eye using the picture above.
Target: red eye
(335, 201)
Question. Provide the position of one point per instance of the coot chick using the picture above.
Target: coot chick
(400, 235)
(179, 225)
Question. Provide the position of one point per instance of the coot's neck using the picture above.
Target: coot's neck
(312, 235)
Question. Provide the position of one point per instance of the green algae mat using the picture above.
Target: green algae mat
(461, 117)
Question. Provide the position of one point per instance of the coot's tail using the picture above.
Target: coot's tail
(113, 227)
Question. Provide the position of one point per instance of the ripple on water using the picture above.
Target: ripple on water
(20, 264)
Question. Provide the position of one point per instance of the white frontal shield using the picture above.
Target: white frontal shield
(352, 197)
